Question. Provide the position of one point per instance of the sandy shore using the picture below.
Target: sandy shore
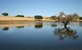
(21, 21)
(12, 19)
(79, 20)
(9, 19)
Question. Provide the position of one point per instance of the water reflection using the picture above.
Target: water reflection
(38, 25)
(80, 24)
(21, 36)
(19, 26)
(53, 25)
(66, 32)
(5, 29)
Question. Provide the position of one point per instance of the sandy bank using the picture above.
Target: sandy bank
(12, 19)
(8, 19)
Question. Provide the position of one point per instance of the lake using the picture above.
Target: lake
(41, 36)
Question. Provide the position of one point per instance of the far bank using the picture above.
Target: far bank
(12, 19)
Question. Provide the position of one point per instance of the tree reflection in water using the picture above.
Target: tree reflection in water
(5, 29)
(53, 25)
(38, 25)
(66, 32)
(80, 24)
(19, 26)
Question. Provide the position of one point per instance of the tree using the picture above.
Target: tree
(19, 15)
(53, 17)
(38, 17)
(66, 31)
(80, 18)
(65, 19)
(5, 14)
(75, 16)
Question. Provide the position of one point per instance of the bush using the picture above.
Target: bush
(5, 14)
(53, 17)
(38, 17)
(80, 18)
(19, 15)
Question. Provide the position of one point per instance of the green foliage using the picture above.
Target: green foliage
(80, 18)
(5, 14)
(38, 17)
(19, 15)
(53, 17)
(28, 17)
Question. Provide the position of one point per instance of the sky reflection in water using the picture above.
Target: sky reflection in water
(44, 36)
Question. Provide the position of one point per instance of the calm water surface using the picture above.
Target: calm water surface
(41, 36)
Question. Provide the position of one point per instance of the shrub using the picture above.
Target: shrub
(80, 18)
(5, 14)
(38, 17)
(19, 15)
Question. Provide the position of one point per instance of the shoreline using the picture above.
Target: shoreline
(9, 19)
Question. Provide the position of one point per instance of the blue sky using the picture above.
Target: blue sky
(40, 7)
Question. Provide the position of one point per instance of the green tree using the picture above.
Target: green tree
(38, 17)
(53, 17)
(5, 14)
(19, 15)
(80, 18)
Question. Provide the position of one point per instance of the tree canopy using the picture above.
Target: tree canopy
(80, 18)
(65, 19)
(38, 17)
(53, 17)
(19, 15)
(5, 14)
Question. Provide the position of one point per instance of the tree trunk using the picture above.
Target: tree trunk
(65, 24)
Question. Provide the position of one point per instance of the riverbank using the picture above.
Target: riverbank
(12, 19)
(79, 20)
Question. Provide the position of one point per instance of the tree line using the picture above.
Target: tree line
(39, 17)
